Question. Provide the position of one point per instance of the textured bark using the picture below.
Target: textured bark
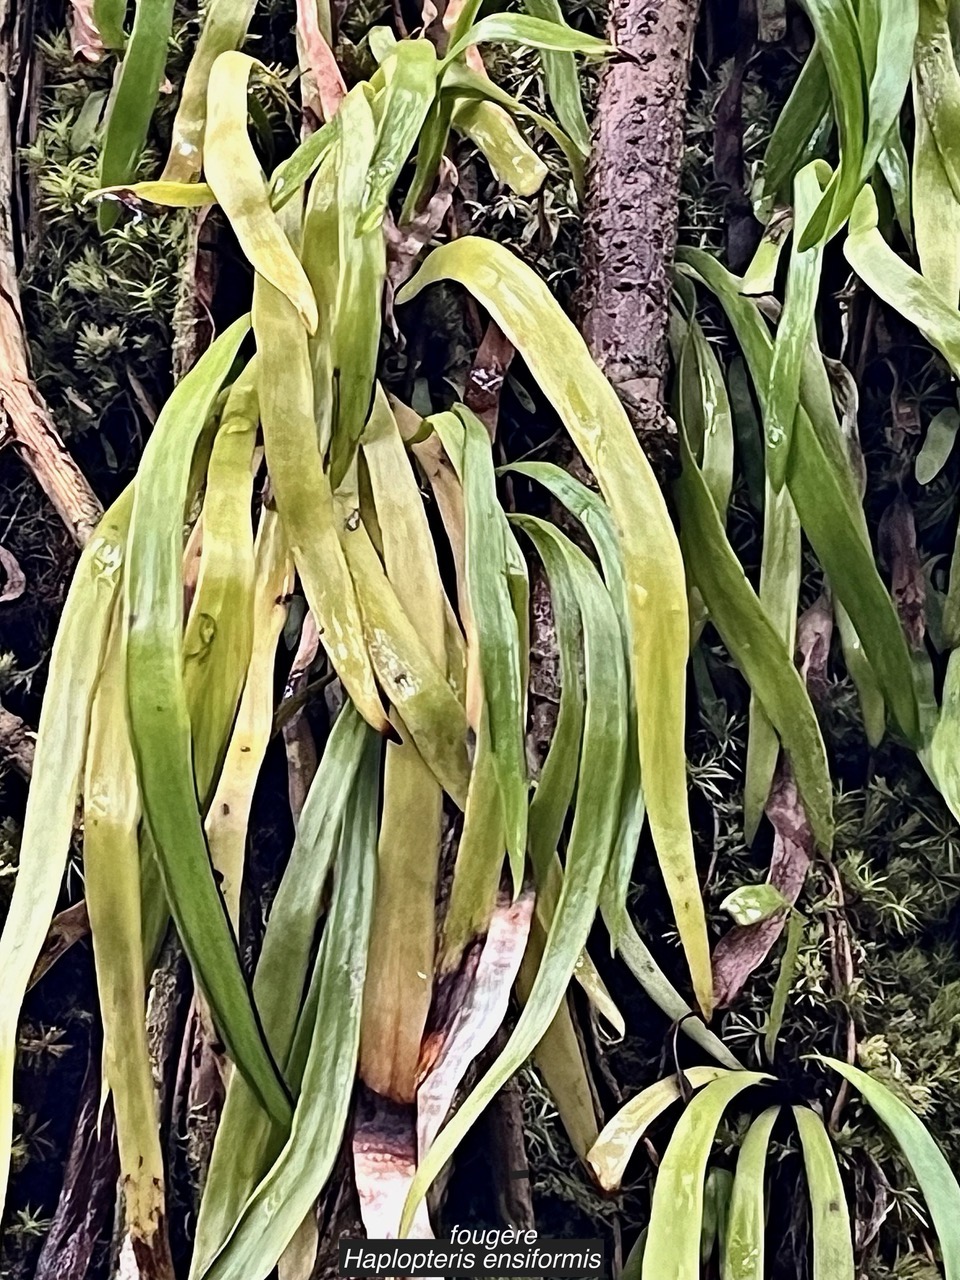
(25, 420)
(631, 208)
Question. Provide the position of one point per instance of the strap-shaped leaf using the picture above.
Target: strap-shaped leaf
(937, 82)
(589, 508)
(513, 162)
(302, 494)
(610, 1154)
(678, 1191)
(397, 998)
(514, 28)
(830, 1218)
(401, 108)
(460, 81)
(160, 721)
(224, 27)
(229, 813)
(246, 1142)
(754, 644)
(888, 32)
(794, 330)
(562, 79)
(219, 631)
(233, 171)
(742, 1256)
(826, 496)
(802, 129)
(936, 172)
(57, 770)
(779, 591)
(867, 51)
(498, 639)
(893, 280)
(592, 833)
(361, 270)
(558, 359)
(111, 867)
(838, 40)
(327, 1041)
(134, 98)
(937, 1181)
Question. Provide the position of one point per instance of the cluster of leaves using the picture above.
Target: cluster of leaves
(343, 491)
(344, 511)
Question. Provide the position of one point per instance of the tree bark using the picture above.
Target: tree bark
(631, 212)
(25, 420)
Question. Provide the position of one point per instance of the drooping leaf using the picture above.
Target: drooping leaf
(826, 495)
(224, 27)
(937, 81)
(302, 493)
(754, 644)
(233, 171)
(610, 1154)
(247, 1142)
(160, 721)
(219, 631)
(111, 866)
(460, 81)
(893, 280)
(678, 1190)
(415, 684)
(830, 1219)
(411, 75)
(514, 28)
(173, 195)
(327, 1039)
(597, 521)
(562, 78)
(354, 339)
(229, 812)
(57, 770)
(888, 33)
(742, 1257)
(498, 640)
(525, 311)
(794, 330)
(592, 834)
(512, 161)
(838, 41)
(133, 99)
(935, 209)
(401, 962)
(779, 592)
(935, 1177)
(802, 129)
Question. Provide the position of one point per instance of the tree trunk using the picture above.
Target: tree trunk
(630, 219)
